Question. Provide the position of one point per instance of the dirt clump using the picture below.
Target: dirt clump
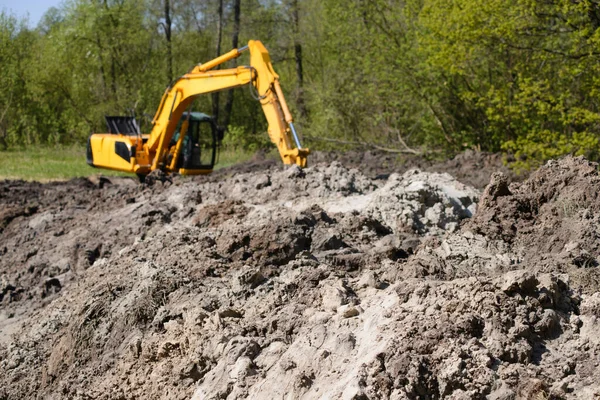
(315, 283)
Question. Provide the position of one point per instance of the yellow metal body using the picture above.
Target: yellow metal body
(105, 156)
(150, 152)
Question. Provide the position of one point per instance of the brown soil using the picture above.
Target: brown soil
(265, 282)
(470, 167)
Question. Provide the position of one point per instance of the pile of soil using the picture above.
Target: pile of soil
(316, 283)
(473, 168)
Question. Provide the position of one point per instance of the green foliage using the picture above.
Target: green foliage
(432, 75)
(525, 74)
(537, 146)
(238, 139)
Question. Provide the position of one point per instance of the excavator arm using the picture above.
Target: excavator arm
(156, 151)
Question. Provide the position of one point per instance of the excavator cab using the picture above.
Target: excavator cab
(198, 148)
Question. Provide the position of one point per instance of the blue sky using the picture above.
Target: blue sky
(35, 8)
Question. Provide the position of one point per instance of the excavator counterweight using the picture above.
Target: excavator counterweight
(183, 142)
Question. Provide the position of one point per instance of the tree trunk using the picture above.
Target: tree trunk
(215, 96)
(168, 26)
(102, 74)
(234, 44)
(113, 76)
(298, 58)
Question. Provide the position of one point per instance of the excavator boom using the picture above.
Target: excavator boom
(161, 149)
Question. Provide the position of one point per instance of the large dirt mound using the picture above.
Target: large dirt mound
(316, 283)
(473, 168)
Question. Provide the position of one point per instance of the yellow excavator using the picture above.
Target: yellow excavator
(187, 142)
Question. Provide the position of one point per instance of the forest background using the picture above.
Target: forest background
(431, 77)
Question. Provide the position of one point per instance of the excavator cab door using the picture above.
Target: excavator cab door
(199, 150)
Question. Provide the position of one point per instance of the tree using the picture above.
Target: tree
(215, 96)
(234, 44)
(298, 59)
(167, 26)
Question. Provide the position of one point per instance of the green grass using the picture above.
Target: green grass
(60, 163)
(229, 157)
(47, 164)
